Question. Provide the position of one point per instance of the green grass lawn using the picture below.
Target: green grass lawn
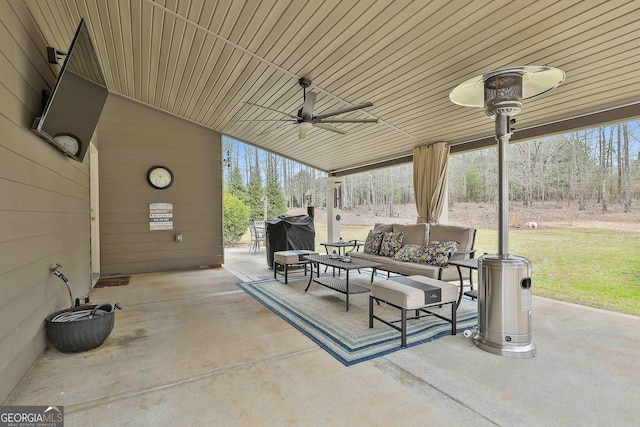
(597, 268)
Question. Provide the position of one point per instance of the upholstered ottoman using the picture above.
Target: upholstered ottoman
(413, 293)
(284, 259)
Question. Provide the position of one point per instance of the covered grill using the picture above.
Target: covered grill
(289, 233)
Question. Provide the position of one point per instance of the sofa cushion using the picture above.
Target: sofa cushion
(411, 268)
(292, 256)
(406, 292)
(409, 253)
(436, 253)
(372, 244)
(414, 234)
(445, 232)
(385, 228)
(366, 256)
(391, 243)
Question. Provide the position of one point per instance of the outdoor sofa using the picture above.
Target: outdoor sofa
(419, 249)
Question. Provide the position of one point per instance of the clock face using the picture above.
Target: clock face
(160, 177)
(68, 142)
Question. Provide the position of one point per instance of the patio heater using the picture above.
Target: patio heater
(504, 280)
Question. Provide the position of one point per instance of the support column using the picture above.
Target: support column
(334, 208)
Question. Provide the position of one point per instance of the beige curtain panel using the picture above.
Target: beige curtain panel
(429, 180)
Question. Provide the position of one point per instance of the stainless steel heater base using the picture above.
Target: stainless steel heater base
(504, 306)
(517, 351)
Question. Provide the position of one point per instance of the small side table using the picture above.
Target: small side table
(342, 246)
(471, 264)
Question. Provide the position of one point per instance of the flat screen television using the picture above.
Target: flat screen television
(73, 108)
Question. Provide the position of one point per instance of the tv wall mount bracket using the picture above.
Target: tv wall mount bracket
(54, 55)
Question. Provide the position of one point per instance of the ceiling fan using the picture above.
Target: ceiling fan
(305, 119)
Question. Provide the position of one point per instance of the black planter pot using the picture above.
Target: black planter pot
(81, 335)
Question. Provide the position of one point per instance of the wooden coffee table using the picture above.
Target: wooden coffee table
(340, 284)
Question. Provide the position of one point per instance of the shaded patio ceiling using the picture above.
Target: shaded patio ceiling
(203, 59)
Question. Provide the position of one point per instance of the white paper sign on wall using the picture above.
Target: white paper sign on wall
(160, 216)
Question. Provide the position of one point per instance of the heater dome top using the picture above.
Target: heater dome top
(536, 80)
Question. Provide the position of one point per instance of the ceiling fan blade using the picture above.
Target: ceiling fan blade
(303, 132)
(331, 128)
(268, 131)
(271, 109)
(263, 120)
(309, 102)
(348, 121)
(344, 110)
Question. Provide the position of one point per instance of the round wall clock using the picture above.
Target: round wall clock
(160, 177)
(68, 142)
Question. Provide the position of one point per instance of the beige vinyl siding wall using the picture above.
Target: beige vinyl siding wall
(44, 202)
(134, 137)
(45, 205)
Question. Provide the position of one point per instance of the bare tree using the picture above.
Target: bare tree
(619, 161)
(602, 170)
(578, 168)
(626, 169)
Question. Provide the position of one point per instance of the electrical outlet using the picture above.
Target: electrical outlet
(179, 238)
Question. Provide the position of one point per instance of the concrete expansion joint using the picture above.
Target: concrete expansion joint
(207, 295)
(119, 397)
(243, 277)
(414, 381)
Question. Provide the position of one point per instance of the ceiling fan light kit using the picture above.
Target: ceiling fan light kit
(305, 119)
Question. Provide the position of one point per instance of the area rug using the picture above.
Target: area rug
(320, 314)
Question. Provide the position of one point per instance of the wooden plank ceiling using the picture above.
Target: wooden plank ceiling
(203, 59)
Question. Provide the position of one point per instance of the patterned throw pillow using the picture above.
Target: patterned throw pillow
(391, 243)
(449, 245)
(372, 244)
(409, 253)
(436, 253)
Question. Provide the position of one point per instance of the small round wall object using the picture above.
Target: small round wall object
(69, 142)
(160, 177)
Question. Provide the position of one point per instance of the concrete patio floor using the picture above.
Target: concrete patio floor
(191, 348)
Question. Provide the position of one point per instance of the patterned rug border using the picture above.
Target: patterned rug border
(385, 341)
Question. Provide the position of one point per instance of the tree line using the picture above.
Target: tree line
(253, 195)
(600, 165)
